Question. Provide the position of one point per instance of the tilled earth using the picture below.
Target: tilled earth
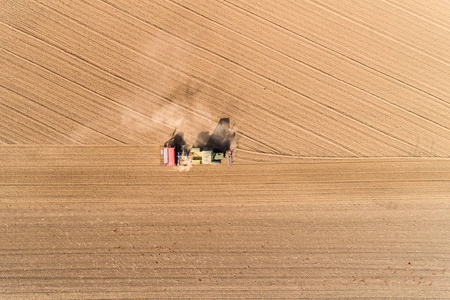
(341, 182)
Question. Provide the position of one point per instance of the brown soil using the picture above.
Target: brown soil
(341, 183)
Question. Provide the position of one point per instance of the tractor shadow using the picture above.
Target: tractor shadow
(220, 140)
(176, 141)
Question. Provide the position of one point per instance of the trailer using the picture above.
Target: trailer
(168, 156)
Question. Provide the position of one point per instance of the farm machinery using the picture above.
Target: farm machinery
(207, 150)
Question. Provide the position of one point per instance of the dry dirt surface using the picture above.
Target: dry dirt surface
(341, 183)
(111, 222)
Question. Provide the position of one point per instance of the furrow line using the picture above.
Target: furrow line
(321, 71)
(58, 113)
(400, 81)
(26, 128)
(121, 77)
(274, 81)
(197, 78)
(419, 15)
(359, 22)
(402, 59)
(55, 111)
(223, 184)
(40, 122)
(12, 136)
(71, 81)
(85, 88)
(206, 82)
(10, 172)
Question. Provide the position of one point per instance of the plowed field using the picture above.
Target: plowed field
(341, 183)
